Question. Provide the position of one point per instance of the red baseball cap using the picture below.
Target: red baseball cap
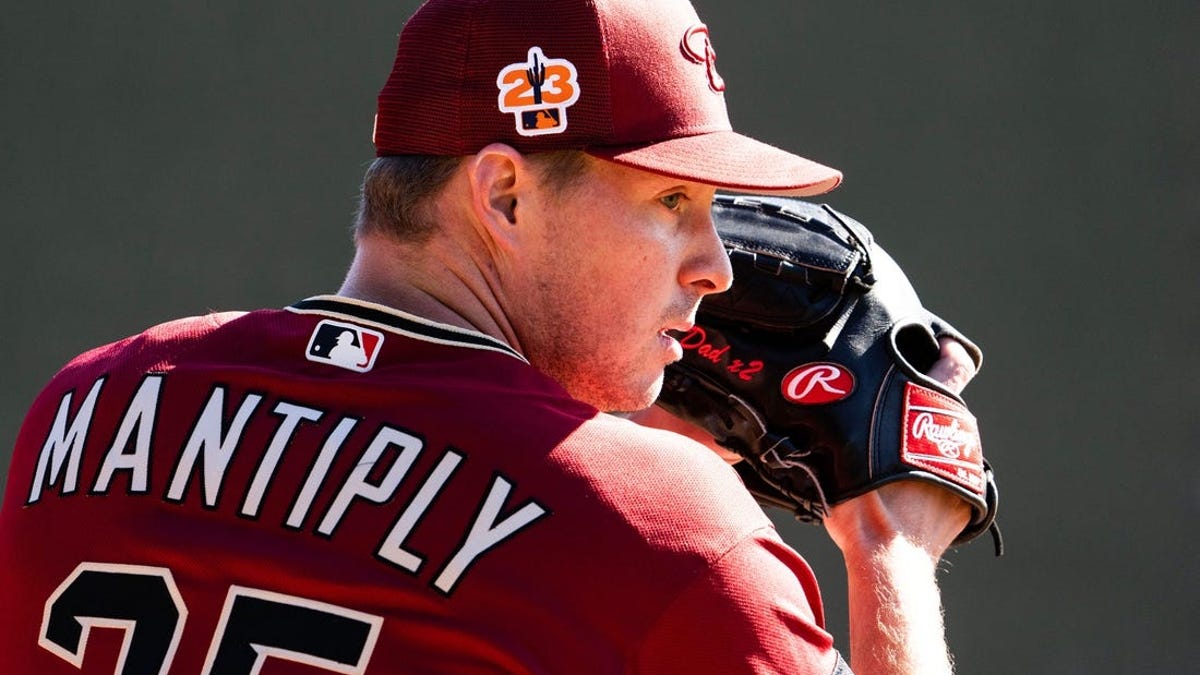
(630, 81)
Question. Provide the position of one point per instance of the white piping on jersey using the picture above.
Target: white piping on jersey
(489, 343)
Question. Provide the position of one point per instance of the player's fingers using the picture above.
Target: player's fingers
(954, 368)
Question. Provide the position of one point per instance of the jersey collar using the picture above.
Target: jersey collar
(396, 321)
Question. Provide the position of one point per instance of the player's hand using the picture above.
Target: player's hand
(954, 367)
(925, 514)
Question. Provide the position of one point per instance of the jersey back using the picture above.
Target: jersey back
(339, 487)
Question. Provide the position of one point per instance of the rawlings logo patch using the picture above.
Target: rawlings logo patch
(538, 92)
(817, 383)
(942, 437)
(344, 345)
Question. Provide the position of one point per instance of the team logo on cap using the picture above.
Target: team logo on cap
(538, 92)
(697, 47)
(344, 345)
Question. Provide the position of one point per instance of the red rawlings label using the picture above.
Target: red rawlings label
(941, 436)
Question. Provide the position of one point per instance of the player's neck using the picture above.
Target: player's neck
(429, 281)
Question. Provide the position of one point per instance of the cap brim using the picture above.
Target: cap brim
(729, 161)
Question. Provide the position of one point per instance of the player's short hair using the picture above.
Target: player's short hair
(398, 190)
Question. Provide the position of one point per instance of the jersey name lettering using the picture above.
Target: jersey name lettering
(204, 457)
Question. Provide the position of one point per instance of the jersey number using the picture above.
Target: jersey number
(519, 90)
(255, 625)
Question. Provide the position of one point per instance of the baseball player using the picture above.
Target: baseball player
(420, 473)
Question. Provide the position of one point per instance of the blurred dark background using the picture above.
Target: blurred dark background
(1032, 165)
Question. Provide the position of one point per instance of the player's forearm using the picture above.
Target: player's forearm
(895, 611)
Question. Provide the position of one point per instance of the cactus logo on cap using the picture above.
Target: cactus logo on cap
(538, 92)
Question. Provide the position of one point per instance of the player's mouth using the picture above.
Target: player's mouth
(669, 337)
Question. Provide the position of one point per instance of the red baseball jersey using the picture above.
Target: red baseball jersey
(341, 487)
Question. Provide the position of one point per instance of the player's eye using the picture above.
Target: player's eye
(673, 200)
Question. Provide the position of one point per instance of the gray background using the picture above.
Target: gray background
(1031, 164)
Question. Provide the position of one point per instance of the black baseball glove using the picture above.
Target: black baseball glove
(812, 367)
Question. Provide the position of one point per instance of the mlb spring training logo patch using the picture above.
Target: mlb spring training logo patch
(941, 436)
(344, 345)
(537, 92)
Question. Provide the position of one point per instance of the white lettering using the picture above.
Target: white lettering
(950, 440)
(392, 548)
(217, 445)
(64, 445)
(140, 417)
(292, 416)
(320, 468)
(486, 532)
(357, 485)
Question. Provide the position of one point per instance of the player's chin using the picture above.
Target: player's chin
(652, 392)
(636, 396)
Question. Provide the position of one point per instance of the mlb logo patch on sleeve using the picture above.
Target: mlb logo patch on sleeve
(344, 345)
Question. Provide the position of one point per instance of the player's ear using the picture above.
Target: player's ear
(498, 176)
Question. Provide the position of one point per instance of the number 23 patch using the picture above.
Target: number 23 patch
(538, 92)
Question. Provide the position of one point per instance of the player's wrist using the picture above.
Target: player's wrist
(865, 554)
(905, 514)
(896, 624)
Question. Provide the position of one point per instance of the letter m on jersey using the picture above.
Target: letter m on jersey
(63, 447)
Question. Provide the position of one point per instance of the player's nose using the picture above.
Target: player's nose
(708, 269)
